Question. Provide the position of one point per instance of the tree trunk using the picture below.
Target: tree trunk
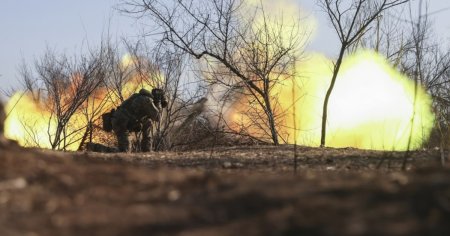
(328, 94)
(57, 139)
(271, 119)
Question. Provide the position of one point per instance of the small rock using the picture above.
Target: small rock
(18, 183)
(227, 165)
(331, 168)
(239, 165)
(400, 178)
(173, 195)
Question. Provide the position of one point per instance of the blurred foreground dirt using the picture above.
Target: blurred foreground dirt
(228, 191)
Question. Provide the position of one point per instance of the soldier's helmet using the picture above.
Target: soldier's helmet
(159, 96)
(145, 92)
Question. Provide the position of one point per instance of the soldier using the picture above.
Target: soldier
(136, 114)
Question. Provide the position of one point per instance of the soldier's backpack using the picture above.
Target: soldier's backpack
(107, 120)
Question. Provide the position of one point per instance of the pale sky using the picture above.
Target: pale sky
(28, 27)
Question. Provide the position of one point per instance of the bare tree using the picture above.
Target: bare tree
(350, 20)
(171, 65)
(428, 64)
(66, 84)
(418, 39)
(223, 33)
(95, 105)
(389, 36)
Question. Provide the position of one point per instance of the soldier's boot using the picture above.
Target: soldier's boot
(146, 142)
(123, 142)
(120, 126)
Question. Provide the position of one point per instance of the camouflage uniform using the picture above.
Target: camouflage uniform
(136, 114)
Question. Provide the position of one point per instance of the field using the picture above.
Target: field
(247, 190)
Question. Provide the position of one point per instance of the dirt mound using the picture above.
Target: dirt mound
(228, 191)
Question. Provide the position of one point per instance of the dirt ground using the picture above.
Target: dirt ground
(226, 191)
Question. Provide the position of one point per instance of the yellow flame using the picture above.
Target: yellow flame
(28, 121)
(31, 124)
(371, 106)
